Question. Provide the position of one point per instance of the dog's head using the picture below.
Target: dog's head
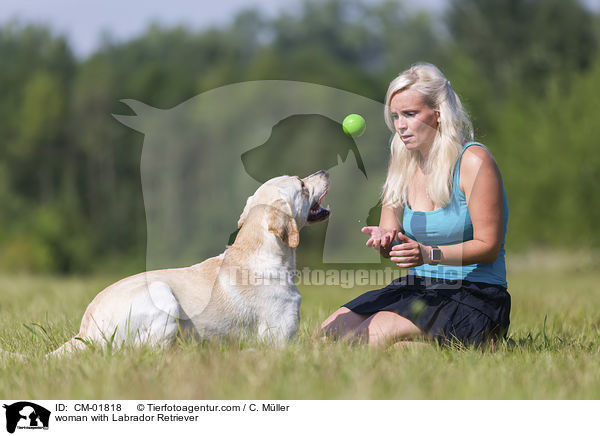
(291, 203)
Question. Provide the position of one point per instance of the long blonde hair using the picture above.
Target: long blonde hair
(454, 129)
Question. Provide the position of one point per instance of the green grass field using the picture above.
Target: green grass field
(555, 326)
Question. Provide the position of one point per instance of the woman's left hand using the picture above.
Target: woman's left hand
(408, 254)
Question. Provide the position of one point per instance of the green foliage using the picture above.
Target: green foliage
(70, 188)
(549, 150)
(522, 43)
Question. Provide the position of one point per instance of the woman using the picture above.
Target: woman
(444, 216)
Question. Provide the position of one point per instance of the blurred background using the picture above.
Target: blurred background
(528, 72)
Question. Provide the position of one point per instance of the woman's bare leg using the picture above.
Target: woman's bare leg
(340, 323)
(383, 327)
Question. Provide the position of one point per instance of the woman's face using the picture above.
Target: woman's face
(415, 122)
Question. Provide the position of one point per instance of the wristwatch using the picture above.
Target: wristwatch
(435, 255)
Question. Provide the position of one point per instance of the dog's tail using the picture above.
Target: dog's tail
(68, 347)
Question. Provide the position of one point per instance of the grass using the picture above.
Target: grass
(555, 329)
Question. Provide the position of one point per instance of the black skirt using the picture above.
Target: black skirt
(447, 310)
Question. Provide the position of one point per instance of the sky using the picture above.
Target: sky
(83, 21)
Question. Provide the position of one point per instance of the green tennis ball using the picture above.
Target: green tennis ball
(354, 125)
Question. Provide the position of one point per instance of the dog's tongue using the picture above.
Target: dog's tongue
(317, 205)
(323, 195)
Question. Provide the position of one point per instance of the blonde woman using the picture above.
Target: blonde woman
(444, 217)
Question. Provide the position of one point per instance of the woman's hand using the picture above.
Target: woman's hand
(379, 238)
(410, 253)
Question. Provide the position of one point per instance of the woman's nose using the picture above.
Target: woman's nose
(400, 123)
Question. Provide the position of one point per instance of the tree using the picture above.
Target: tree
(521, 44)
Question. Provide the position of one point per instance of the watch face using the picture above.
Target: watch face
(436, 255)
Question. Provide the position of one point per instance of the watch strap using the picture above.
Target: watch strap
(435, 255)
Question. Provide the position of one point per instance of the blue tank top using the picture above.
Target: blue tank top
(452, 225)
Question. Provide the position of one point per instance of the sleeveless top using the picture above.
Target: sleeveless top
(452, 225)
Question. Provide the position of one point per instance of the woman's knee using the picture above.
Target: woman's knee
(341, 322)
(384, 326)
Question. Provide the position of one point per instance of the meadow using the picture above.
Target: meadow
(553, 351)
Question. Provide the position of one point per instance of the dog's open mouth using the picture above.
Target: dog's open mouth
(318, 213)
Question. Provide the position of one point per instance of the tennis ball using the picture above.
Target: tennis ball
(354, 125)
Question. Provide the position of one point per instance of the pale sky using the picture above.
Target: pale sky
(84, 20)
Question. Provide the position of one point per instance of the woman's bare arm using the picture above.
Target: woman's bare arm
(390, 223)
(481, 182)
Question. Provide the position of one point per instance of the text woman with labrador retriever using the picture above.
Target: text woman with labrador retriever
(444, 216)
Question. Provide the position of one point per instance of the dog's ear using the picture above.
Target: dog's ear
(245, 212)
(282, 223)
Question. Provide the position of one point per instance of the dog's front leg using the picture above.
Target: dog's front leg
(272, 334)
(280, 327)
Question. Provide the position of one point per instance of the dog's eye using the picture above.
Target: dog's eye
(302, 184)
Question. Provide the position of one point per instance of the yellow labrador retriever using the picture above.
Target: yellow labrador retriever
(247, 290)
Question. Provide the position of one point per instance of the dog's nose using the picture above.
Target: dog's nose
(323, 173)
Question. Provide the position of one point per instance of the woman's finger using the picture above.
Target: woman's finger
(405, 252)
(375, 240)
(406, 265)
(405, 239)
(387, 240)
(407, 259)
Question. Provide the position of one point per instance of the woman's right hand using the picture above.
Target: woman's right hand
(379, 238)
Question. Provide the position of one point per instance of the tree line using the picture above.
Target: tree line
(528, 72)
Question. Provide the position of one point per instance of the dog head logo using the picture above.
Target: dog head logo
(202, 159)
(26, 415)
